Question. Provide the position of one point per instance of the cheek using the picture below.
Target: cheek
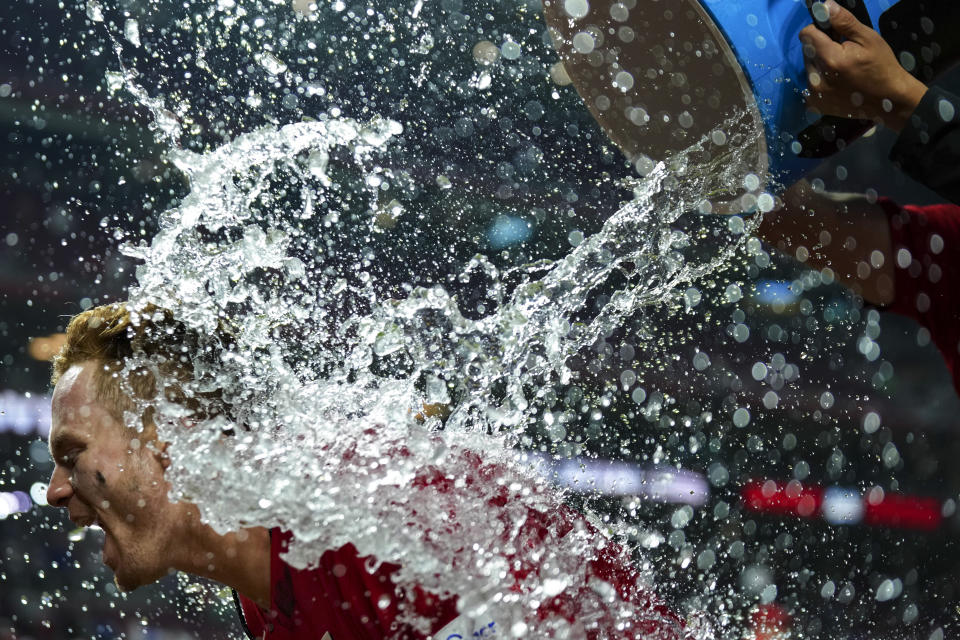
(87, 488)
(141, 475)
(110, 483)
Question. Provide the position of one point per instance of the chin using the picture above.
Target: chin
(126, 583)
(127, 580)
(121, 586)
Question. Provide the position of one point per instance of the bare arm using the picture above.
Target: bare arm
(843, 232)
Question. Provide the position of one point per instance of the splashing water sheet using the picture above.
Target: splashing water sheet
(346, 167)
(347, 431)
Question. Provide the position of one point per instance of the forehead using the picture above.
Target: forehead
(76, 413)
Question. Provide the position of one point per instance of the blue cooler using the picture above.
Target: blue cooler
(763, 36)
(660, 75)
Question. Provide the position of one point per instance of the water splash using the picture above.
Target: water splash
(325, 372)
(763, 369)
(316, 358)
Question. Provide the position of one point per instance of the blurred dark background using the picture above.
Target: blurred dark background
(66, 201)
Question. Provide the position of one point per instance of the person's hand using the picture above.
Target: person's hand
(860, 77)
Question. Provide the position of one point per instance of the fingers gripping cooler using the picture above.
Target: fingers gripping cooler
(659, 75)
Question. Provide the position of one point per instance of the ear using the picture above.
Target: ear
(162, 456)
(158, 450)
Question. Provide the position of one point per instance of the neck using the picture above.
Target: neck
(239, 559)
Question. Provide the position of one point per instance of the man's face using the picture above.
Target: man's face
(105, 475)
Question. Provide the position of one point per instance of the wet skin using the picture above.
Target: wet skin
(111, 476)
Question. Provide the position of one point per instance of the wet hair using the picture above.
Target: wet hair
(110, 335)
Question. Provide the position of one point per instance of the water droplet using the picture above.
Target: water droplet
(274, 65)
(871, 422)
(584, 42)
(114, 81)
(482, 81)
(638, 116)
(888, 590)
(732, 293)
(485, 52)
(701, 361)
(554, 586)
(510, 50)
(619, 12)
(425, 45)
(94, 10)
(576, 9)
(623, 81)
(131, 31)
(718, 474)
(741, 417)
(826, 400)
(192, 588)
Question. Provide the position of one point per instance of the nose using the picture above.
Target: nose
(60, 489)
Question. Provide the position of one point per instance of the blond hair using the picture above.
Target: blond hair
(109, 335)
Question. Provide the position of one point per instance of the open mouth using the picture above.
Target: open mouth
(107, 546)
(104, 553)
(107, 549)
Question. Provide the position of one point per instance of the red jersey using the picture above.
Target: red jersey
(926, 252)
(341, 596)
(344, 597)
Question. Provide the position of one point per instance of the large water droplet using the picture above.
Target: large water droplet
(95, 10)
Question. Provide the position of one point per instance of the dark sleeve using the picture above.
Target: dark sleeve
(926, 254)
(243, 620)
(928, 149)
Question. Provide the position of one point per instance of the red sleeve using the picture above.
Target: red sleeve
(926, 254)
